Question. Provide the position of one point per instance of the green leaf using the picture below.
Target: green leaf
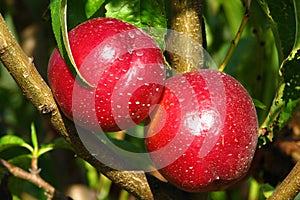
(34, 139)
(64, 29)
(297, 36)
(267, 190)
(56, 25)
(58, 143)
(259, 104)
(9, 141)
(92, 175)
(284, 17)
(59, 25)
(260, 16)
(148, 15)
(92, 6)
(290, 95)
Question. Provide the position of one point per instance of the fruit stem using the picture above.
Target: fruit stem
(235, 41)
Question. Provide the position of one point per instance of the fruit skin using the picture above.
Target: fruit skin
(204, 134)
(125, 65)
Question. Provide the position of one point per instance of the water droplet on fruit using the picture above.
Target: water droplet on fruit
(140, 78)
(130, 34)
(137, 102)
(138, 32)
(139, 53)
(181, 100)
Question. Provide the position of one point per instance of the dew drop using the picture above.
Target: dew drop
(130, 34)
(130, 51)
(139, 53)
(181, 100)
(138, 32)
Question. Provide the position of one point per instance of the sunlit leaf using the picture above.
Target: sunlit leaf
(34, 139)
(267, 190)
(59, 143)
(92, 6)
(259, 104)
(9, 141)
(148, 15)
(60, 29)
(64, 30)
(56, 25)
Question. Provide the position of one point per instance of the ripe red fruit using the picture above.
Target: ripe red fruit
(203, 135)
(123, 63)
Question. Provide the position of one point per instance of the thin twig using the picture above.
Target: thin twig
(235, 41)
(33, 178)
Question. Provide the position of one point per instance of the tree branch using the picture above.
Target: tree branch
(290, 186)
(35, 179)
(186, 37)
(22, 69)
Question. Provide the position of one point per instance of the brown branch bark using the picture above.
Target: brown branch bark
(185, 40)
(290, 186)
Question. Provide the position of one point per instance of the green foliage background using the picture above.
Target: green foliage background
(266, 61)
